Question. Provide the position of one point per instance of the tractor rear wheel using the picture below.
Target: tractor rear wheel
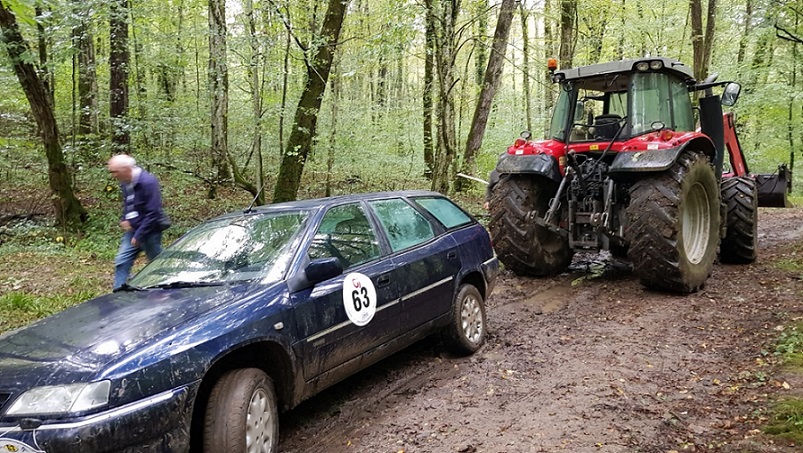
(739, 244)
(673, 225)
(522, 245)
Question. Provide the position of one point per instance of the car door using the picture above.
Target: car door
(425, 263)
(355, 312)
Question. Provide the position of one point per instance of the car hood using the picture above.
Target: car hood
(75, 343)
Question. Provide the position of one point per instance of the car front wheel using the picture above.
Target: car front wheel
(242, 414)
(467, 329)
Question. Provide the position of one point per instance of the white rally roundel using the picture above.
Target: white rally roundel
(359, 298)
(15, 446)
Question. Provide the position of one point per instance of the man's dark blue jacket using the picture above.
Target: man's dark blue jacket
(146, 203)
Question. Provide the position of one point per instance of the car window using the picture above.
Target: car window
(404, 226)
(248, 247)
(345, 233)
(445, 211)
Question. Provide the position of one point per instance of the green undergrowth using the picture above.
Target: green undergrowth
(786, 414)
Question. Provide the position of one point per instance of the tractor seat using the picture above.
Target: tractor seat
(605, 126)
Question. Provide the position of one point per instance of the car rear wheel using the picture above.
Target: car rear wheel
(242, 414)
(467, 329)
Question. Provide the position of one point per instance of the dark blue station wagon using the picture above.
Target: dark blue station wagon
(243, 317)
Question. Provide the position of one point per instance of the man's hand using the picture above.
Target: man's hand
(134, 242)
(125, 225)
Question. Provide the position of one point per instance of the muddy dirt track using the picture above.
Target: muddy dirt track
(588, 361)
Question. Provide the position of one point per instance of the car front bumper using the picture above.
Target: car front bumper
(159, 423)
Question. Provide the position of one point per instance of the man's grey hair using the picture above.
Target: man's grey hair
(123, 160)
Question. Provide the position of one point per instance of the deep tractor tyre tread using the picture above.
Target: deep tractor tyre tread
(227, 414)
(467, 327)
(522, 246)
(673, 225)
(741, 198)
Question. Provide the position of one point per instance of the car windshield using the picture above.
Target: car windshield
(255, 246)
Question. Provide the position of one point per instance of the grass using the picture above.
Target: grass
(786, 414)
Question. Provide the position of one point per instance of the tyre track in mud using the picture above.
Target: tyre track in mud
(587, 361)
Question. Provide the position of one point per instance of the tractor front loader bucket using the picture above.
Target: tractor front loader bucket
(773, 188)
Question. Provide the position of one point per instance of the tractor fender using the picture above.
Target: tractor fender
(529, 164)
(656, 160)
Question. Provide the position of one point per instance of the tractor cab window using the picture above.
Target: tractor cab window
(660, 98)
(594, 107)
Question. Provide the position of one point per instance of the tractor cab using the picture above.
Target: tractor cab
(621, 100)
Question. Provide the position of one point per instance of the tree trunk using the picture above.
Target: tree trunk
(445, 51)
(702, 41)
(493, 75)
(330, 157)
(481, 54)
(525, 64)
(429, 79)
(44, 68)
(219, 91)
(549, 52)
(118, 75)
(743, 40)
(568, 13)
(319, 62)
(69, 211)
(87, 80)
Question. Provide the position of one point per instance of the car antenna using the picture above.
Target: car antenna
(251, 206)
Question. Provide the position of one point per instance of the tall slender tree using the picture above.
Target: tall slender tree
(84, 56)
(118, 75)
(69, 211)
(490, 83)
(429, 85)
(446, 12)
(318, 59)
(219, 91)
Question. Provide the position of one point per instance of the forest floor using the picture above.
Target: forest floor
(588, 361)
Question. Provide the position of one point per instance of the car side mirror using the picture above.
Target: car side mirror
(322, 269)
(731, 93)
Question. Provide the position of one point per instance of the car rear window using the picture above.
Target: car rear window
(447, 213)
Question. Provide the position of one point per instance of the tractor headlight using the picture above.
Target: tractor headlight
(656, 65)
(61, 399)
(642, 66)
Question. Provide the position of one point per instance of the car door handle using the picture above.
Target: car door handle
(451, 255)
(383, 280)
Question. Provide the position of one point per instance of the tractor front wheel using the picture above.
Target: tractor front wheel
(673, 225)
(741, 198)
(523, 246)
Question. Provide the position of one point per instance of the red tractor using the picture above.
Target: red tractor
(626, 169)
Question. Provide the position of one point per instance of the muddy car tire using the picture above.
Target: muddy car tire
(673, 225)
(741, 198)
(242, 414)
(521, 245)
(467, 327)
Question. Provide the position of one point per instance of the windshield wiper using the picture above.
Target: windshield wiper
(183, 285)
(126, 287)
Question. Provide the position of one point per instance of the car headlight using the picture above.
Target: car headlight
(61, 399)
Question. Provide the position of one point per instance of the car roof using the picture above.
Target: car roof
(317, 203)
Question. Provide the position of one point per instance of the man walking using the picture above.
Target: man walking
(142, 214)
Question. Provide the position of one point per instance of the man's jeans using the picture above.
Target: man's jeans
(127, 254)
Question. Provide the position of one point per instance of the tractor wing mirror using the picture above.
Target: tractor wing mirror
(731, 93)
